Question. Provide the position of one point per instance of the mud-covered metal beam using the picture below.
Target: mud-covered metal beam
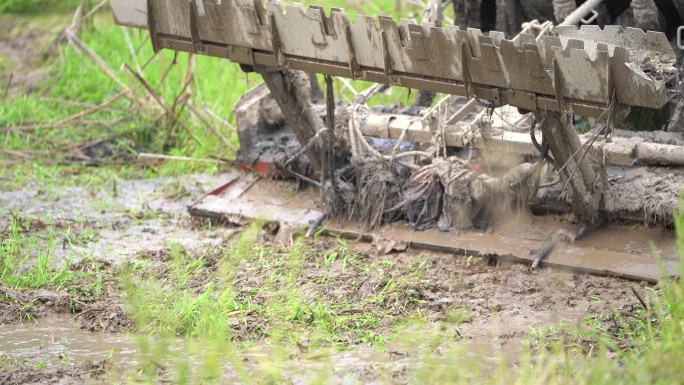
(596, 68)
(243, 199)
(292, 92)
(619, 151)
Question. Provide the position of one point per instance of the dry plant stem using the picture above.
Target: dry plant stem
(73, 103)
(218, 118)
(80, 123)
(397, 145)
(77, 18)
(149, 60)
(17, 154)
(348, 85)
(92, 110)
(131, 49)
(8, 85)
(169, 68)
(211, 127)
(182, 103)
(358, 140)
(367, 94)
(97, 59)
(95, 9)
(160, 102)
(303, 149)
(103, 66)
(142, 45)
(641, 300)
(148, 89)
(359, 101)
(183, 92)
(70, 146)
(147, 156)
(82, 145)
(186, 82)
(359, 137)
(463, 111)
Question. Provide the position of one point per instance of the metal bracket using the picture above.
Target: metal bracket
(194, 29)
(351, 51)
(152, 27)
(417, 46)
(277, 43)
(592, 18)
(386, 58)
(465, 70)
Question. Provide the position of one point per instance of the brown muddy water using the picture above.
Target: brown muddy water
(57, 339)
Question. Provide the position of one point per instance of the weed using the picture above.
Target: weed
(31, 6)
(21, 268)
(217, 86)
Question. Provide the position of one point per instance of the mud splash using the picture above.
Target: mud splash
(629, 252)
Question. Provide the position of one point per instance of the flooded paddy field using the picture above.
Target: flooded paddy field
(132, 284)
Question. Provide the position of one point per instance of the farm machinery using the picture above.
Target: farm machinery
(523, 155)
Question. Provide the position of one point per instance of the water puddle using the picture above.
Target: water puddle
(57, 340)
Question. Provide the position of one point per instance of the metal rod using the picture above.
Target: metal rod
(581, 12)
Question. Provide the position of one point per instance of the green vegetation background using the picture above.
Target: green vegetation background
(71, 76)
(656, 336)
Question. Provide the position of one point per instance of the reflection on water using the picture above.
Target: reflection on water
(57, 339)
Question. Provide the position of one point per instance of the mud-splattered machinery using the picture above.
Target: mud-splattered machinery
(548, 74)
(581, 71)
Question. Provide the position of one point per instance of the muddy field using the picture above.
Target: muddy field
(490, 309)
(106, 278)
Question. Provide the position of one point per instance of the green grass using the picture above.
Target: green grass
(204, 299)
(32, 6)
(26, 262)
(127, 129)
(71, 76)
(174, 309)
(625, 347)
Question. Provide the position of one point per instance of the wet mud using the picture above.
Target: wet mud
(130, 217)
(633, 252)
(498, 304)
(57, 339)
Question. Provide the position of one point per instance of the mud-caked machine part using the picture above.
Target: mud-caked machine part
(586, 180)
(553, 72)
(266, 140)
(598, 67)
